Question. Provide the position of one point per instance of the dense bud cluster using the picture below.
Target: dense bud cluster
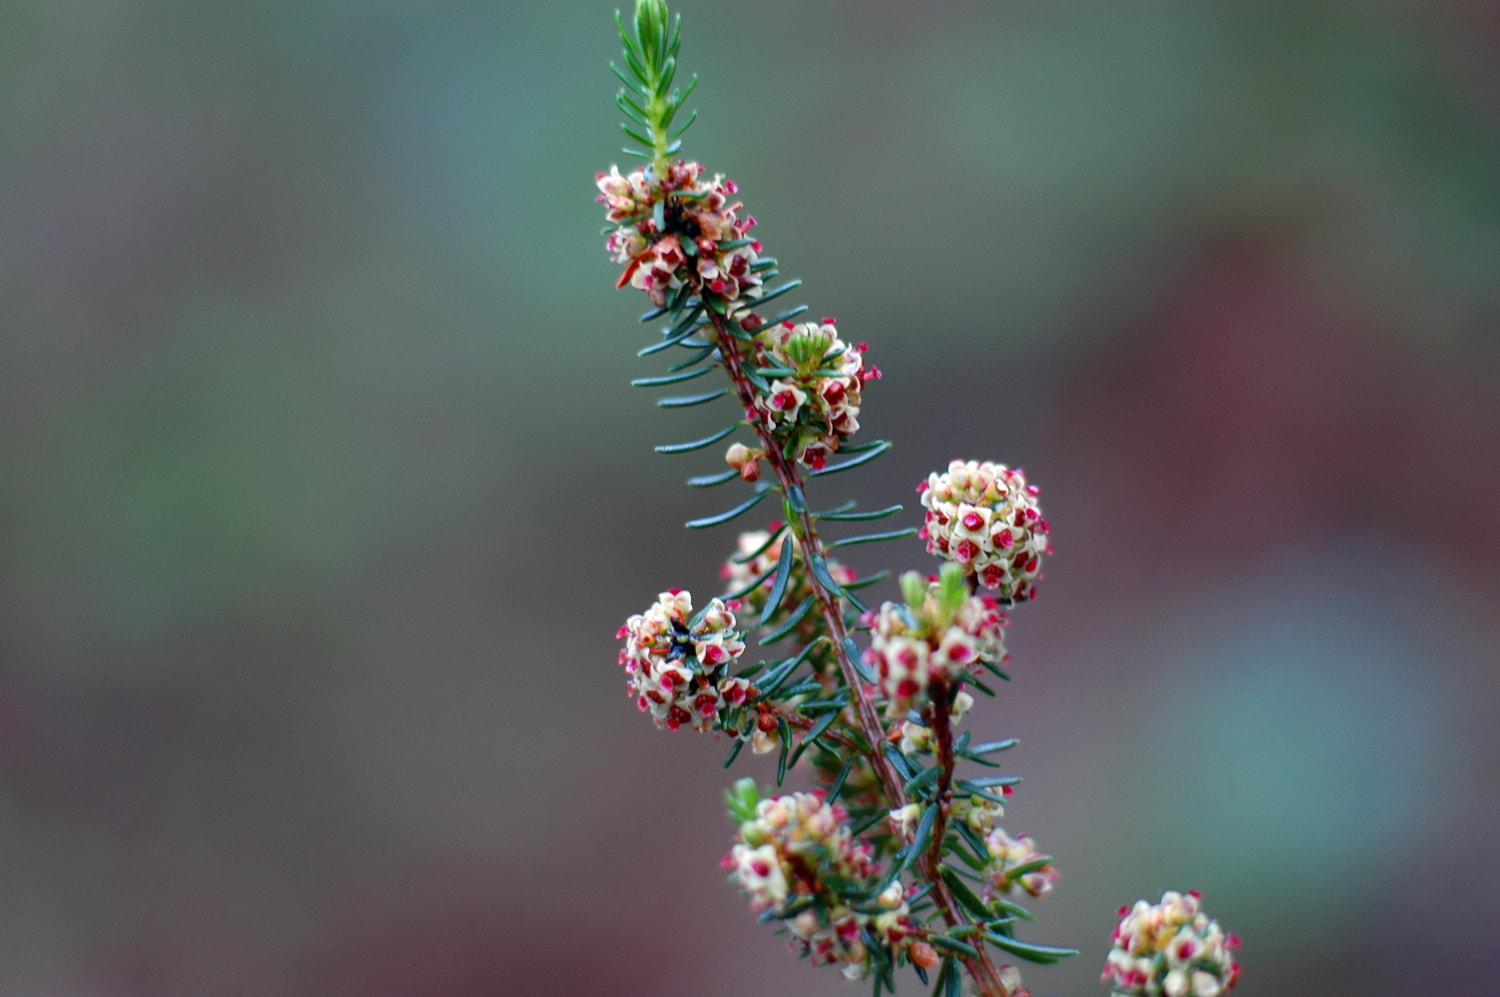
(984, 517)
(679, 229)
(810, 404)
(678, 664)
(936, 635)
(1015, 862)
(798, 848)
(1170, 949)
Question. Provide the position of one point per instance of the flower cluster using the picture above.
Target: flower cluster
(679, 230)
(798, 848)
(813, 381)
(1170, 949)
(937, 635)
(984, 517)
(1016, 862)
(678, 664)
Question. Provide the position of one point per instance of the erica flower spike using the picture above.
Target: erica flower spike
(892, 861)
(1170, 949)
(985, 517)
(678, 663)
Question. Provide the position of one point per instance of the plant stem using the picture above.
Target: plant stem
(980, 969)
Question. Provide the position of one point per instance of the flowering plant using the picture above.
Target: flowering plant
(895, 857)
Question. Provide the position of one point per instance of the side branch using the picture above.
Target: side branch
(830, 608)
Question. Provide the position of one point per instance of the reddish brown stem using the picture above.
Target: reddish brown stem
(789, 476)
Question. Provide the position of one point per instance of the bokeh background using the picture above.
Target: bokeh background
(323, 490)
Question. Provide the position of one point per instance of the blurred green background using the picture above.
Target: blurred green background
(323, 490)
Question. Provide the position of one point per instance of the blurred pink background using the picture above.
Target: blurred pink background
(323, 490)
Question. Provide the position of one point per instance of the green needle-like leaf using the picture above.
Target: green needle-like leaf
(751, 585)
(812, 735)
(924, 834)
(868, 580)
(684, 401)
(632, 84)
(798, 615)
(779, 674)
(853, 517)
(948, 980)
(972, 839)
(838, 783)
(903, 767)
(820, 571)
(707, 441)
(688, 123)
(778, 587)
(993, 780)
(687, 375)
(922, 780)
(673, 337)
(983, 794)
(1030, 951)
(773, 295)
(836, 702)
(806, 687)
(855, 448)
(726, 516)
(785, 731)
(1026, 868)
(870, 538)
(1011, 907)
(773, 679)
(964, 895)
(863, 458)
(643, 140)
(709, 480)
(690, 361)
(990, 747)
(957, 845)
(680, 299)
(770, 369)
(734, 752)
(953, 945)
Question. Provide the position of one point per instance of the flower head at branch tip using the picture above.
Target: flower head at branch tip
(678, 663)
(798, 850)
(1170, 949)
(985, 517)
(937, 635)
(814, 382)
(680, 229)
